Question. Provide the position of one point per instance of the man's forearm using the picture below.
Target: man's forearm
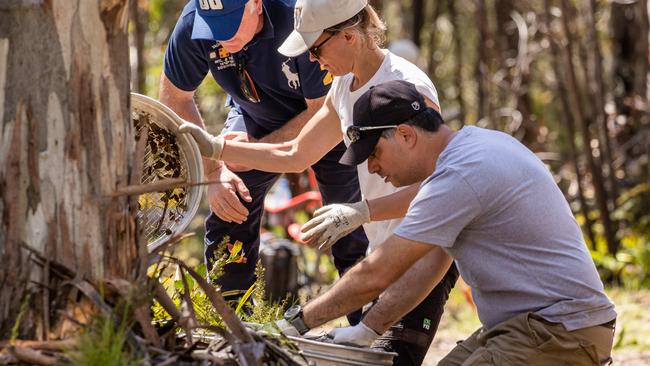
(182, 103)
(405, 294)
(366, 280)
(356, 288)
(392, 206)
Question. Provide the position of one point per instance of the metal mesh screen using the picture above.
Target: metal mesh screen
(160, 213)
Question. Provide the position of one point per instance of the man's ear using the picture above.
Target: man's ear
(259, 6)
(406, 134)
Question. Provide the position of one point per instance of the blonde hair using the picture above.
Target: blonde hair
(366, 22)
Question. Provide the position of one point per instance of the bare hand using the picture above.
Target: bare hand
(224, 197)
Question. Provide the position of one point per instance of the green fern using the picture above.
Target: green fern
(104, 342)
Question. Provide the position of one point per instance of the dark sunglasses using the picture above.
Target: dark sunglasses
(315, 50)
(246, 83)
(354, 132)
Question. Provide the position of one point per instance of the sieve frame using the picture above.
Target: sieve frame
(168, 119)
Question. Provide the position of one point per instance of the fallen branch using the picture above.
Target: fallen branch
(203, 355)
(31, 356)
(248, 351)
(218, 302)
(141, 310)
(7, 358)
(189, 308)
(51, 345)
(160, 294)
(159, 186)
(170, 361)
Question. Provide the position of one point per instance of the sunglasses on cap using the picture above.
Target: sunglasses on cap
(354, 132)
(315, 50)
(246, 83)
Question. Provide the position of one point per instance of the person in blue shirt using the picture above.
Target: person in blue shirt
(271, 97)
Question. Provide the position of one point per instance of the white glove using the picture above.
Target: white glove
(331, 223)
(209, 145)
(275, 327)
(286, 328)
(359, 335)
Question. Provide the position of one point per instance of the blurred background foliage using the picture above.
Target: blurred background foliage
(570, 79)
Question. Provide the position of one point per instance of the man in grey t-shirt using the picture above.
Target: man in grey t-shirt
(490, 203)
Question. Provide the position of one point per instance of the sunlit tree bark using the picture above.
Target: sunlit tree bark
(66, 142)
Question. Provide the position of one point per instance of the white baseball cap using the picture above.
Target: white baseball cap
(312, 17)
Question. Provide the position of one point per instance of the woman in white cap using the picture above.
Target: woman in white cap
(344, 36)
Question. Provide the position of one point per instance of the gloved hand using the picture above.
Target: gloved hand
(332, 222)
(209, 145)
(274, 327)
(359, 335)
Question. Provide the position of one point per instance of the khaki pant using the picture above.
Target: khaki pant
(529, 340)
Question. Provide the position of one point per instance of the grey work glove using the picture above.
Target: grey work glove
(359, 335)
(209, 145)
(332, 222)
(274, 327)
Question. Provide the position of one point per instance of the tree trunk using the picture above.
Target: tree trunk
(431, 50)
(139, 21)
(578, 116)
(418, 21)
(484, 65)
(629, 31)
(67, 142)
(569, 124)
(458, 52)
(596, 76)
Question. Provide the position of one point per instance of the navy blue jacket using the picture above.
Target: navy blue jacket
(283, 83)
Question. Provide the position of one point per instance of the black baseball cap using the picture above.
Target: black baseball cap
(383, 106)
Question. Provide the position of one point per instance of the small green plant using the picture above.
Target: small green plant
(23, 309)
(251, 307)
(104, 341)
(261, 310)
(226, 253)
(630, 265)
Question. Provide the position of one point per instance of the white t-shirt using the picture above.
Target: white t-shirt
(372, 186)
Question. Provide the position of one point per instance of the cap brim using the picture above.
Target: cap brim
(298, 43)
(359, 151)
(217, 28)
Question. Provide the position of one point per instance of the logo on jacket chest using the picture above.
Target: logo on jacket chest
(292, 77)
(221, 58)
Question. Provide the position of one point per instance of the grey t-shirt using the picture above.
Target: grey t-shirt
(494, 207)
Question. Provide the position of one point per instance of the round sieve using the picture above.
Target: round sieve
(167, 155)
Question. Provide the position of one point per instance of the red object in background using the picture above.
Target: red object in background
(304, 195)
(312, 198)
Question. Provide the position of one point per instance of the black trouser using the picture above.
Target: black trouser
(337, 183)
(411, 337)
